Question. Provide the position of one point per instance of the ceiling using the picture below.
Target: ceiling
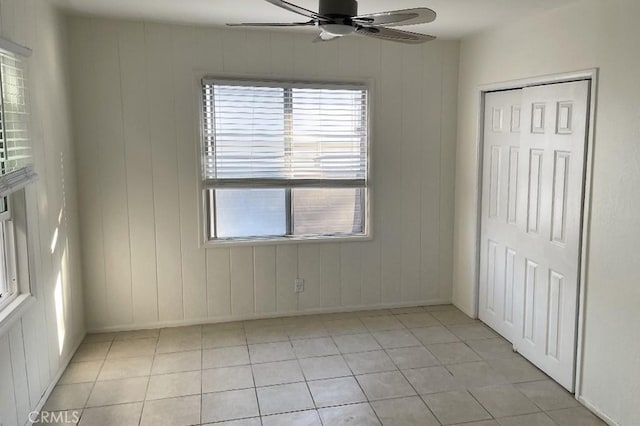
(456, 18)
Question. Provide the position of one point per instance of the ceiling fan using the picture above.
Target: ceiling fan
(338, 18)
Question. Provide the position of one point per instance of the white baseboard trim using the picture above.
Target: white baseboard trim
(595, 410)
(231, 318)
(56, 378)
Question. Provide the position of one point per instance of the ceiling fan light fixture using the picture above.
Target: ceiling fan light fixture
(338, 30)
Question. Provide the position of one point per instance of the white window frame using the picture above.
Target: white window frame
(207, 218)
(8, 265)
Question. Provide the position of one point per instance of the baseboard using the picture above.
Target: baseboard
(596, 411)
(230, 318)
(56, 378)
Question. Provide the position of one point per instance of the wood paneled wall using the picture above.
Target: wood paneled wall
(36, 345)
(137, 138)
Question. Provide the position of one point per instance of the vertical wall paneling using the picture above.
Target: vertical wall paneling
(194, 282)
(309, 270)
(264, 265)
(8, 408)
(182, 281)
(242, 268)
(19, 370)
(108, 136)
(218, 282)
(162, 134)
(411, 173)
(139, 173)
(390, 140)
(286, 273)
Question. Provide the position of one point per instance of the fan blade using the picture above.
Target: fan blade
(421, 15)
(394, 35)
(299, 10)
(325, 36)
(272, 24)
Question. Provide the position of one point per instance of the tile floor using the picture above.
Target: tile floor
(414, 366)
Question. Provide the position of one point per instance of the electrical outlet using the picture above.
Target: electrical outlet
(299, 285)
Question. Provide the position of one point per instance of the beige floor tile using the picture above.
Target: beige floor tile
(92, 352)
(325, 367)
(137, 334)
(271, 352)
(369, 362)
(345, 326)
(118, 392)
(480, 423)
(356, 414)
(340, 391)
(284, 398)
(408, 310)
(254, 421)
(432, 380)
(277, 373)
(496, 348)
(81, 372)
(410, 411)
(395, 338)
(230, 405)
(169, 343)
(386, 385)
(536, 419)
(314, 347)
(189, 330)
(301, 418)
(476, 374)
(68, 397)
(504, 401)
(223, 338)
(455, 407)
(356, 343)
(132, 348)
(452, 317)
(547, 395)
(517, 370)
(225, 357)
(453, 353)
(382, 323)
(235, 325)
(371, 313)
(125, 368)
(435, 334)
(267, 334)
(418, 320)
(472, 331)
(309, 330)
(99, 337)
(121, 415)
(177, 362)
(227, 378)
(578, 416)
(436, 308)
(182, 411)
(412, 357)
(174, 385)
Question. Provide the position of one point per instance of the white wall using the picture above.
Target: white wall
(137, 141)
(35, 347)
(588, 34)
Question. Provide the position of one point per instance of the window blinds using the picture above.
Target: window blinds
(272, 134)
(16, 169)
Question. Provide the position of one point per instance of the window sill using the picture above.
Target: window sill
(14, 311)
(285, 240)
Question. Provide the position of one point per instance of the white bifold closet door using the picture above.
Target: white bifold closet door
(532, 201)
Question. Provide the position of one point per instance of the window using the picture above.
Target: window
(8, 277)
(285, 160)
(16, 172)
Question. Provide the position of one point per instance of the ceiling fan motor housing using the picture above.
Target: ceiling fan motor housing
(338, 8)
